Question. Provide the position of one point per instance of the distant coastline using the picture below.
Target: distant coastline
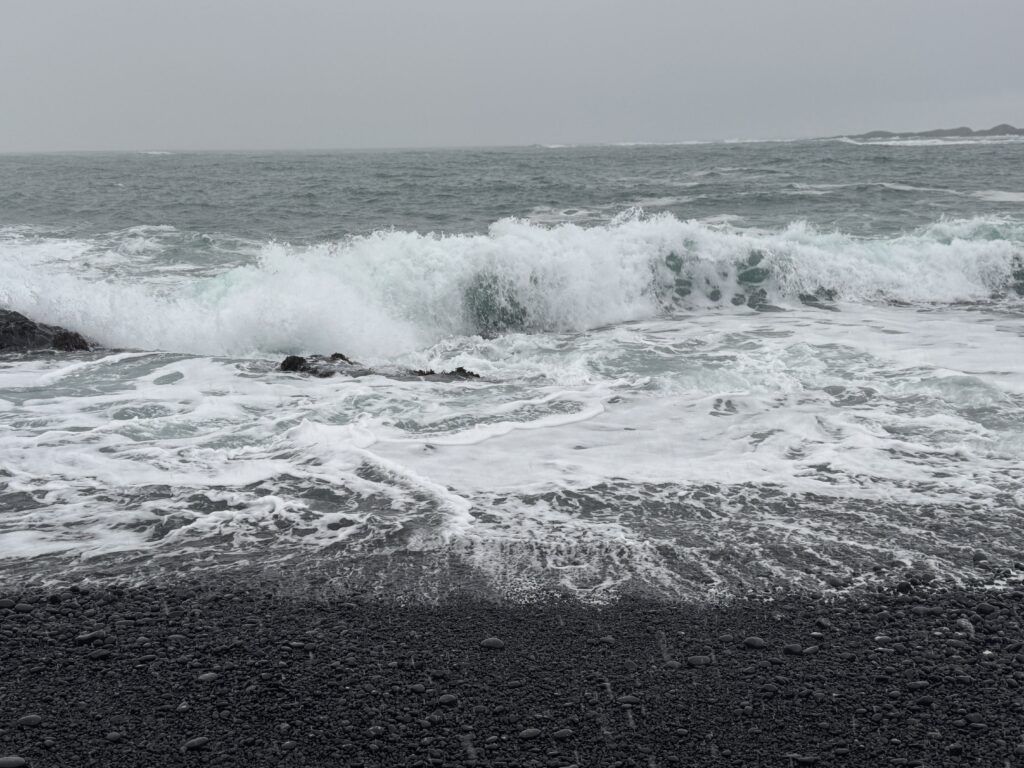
(1003, 129)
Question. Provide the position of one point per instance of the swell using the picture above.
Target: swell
(391, 292)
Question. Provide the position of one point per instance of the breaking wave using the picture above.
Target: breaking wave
(391, 292)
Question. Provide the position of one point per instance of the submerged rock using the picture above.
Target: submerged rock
(322, 367)
(19, 334)
(458, 373)
(325, 367)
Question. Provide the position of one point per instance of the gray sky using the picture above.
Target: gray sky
(241, 74)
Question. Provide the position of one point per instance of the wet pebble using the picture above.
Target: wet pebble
(197, 743)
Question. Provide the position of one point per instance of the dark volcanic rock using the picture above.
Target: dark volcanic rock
(19, 334)
(322, 367)
(458, 373)
(294, 364)
(326, 367)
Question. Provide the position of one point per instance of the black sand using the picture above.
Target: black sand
(247, 674)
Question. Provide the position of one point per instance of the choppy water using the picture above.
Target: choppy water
(704, 366)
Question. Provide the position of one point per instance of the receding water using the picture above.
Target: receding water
(703, 366)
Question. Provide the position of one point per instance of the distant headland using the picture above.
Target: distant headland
(1002, 129)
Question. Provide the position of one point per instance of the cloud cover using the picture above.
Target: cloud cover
(256, 74)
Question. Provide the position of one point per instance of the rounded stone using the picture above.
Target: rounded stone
(529, 733)
(698, 661)
(114, 737)
(494, 643)
(448, 700)
(30, 720)
(563, 734)
(13, 761)
(755, 642)
(197, 743)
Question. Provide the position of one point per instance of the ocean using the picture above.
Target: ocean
(705, 369)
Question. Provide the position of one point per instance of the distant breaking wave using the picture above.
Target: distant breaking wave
(389, 293)
(953, 141)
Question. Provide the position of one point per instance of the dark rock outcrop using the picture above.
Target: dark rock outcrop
(458, 373)
(322, 367)
(19, 334)
(325, 367)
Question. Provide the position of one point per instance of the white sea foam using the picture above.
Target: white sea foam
(391, 293)
(951, 141)
(579, 457)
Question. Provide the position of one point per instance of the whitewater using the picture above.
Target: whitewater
(704, 369)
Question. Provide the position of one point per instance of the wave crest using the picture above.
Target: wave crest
(388, 293)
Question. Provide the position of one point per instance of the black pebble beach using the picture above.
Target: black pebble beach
(246, 674)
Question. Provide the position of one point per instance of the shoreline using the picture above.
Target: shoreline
(235, 671)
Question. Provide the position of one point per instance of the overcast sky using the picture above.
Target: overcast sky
(252, 74)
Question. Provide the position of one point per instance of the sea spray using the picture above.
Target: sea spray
(390, 292)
